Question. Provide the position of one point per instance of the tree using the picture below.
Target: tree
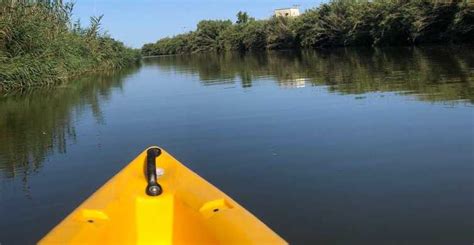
(208, 34)
(242, 17)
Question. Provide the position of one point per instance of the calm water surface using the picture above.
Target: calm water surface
(341, 147)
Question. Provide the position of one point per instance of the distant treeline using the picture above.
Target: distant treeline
(335, 24)
(40, 44)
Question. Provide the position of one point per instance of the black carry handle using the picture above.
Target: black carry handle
(153, 188)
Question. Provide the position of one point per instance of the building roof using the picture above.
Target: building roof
(286, 8)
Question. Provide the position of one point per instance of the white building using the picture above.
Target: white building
(287, 12)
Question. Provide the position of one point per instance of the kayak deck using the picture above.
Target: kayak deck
(188, 211)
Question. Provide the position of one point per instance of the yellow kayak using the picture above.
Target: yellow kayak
(156, 199)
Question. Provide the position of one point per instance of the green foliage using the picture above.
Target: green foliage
(232, 38)
(462, 28)
(279, 33)
(335, 24)
(207, 35)
(253, 35)
(330, 25)
(39, 44)
(432, 24)
(242, 37)
(242, 17)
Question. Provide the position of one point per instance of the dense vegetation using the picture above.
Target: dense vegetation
(335, 24)
(40, 44)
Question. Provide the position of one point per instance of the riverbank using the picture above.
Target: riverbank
(335, 24)
(40, 44)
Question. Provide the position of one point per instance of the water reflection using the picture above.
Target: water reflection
(437, 74)
(38, 122)
(354, 161)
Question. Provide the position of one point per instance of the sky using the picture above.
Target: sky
(143, 21)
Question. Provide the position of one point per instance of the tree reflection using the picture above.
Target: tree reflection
(36, 123)
(437, 74)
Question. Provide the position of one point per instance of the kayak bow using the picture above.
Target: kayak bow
(156, 199)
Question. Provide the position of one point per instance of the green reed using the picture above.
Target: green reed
(40, 44)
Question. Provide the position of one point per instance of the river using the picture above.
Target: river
(348, 146)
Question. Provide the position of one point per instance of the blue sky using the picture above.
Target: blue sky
(143, 21)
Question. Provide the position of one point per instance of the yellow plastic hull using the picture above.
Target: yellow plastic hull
(189, 211)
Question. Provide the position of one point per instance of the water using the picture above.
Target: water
(340, 147)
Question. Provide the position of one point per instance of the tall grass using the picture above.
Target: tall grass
(335, 24)
(40, 44)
